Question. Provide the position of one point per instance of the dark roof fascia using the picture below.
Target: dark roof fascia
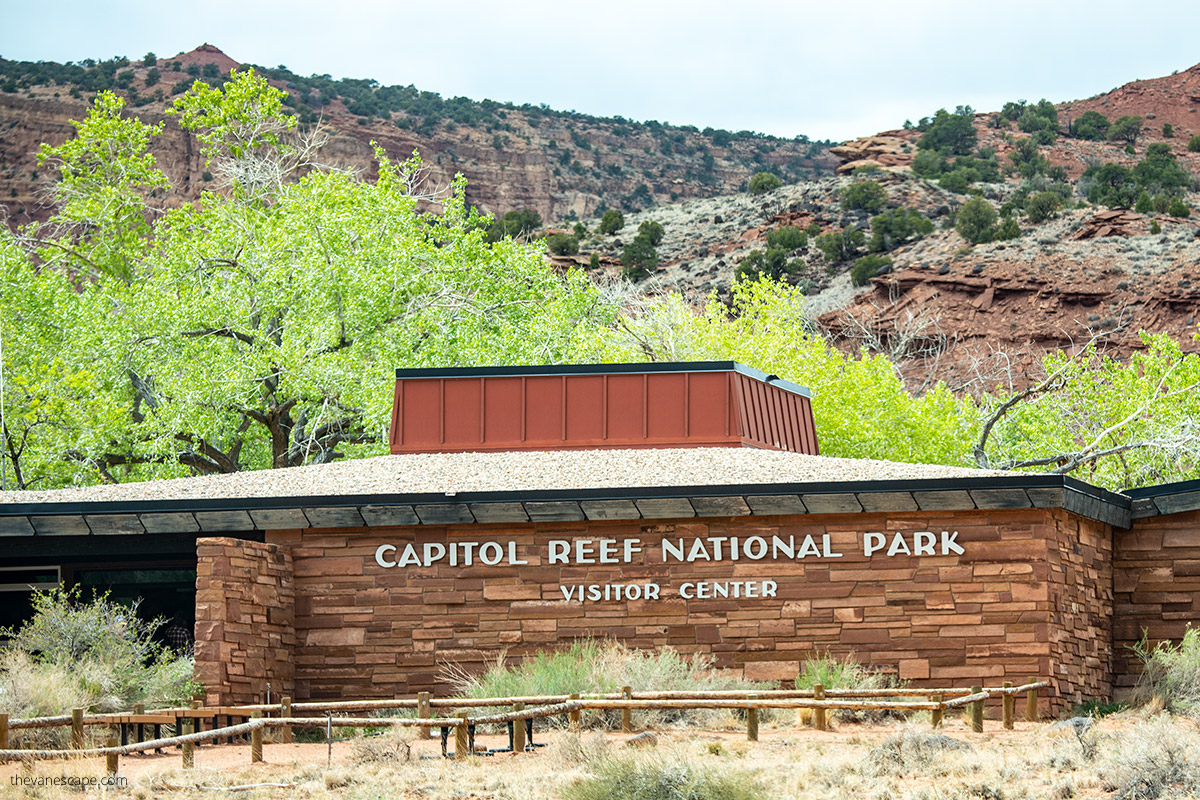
(552, 370)
(985, 493)
(1167, 498)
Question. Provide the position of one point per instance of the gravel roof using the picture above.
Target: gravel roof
(513, 472)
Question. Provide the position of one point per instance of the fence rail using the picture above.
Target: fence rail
(463, 724)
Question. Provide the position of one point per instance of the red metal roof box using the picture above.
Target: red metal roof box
(583, 406)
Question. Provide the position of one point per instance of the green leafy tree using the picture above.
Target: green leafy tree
(639, 258)
(149, 60)
(232, 334)
(976, 221)
(611, 222)
(1179, 208)
(106, 172)
(1159, 169)
(1125, 129)
(1112, 185)
(867, 196)
(1168, 130)
(952, 134)
(652, 231)
(763, 182)
(1193, 145)
(1091, 125)
(1143, 205)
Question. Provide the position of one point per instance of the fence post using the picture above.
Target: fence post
(819, 719)
(196, 724)
(424, 711)
(977, 711)
(460, 737)
(77, 728)
(1031, 702)
(1010, 705)
(189, 748)
(751, 721)
(111, 759)
(140, 708)
(518, 730)
(627, 713)
(575, 717)
(256, 740)
(935, 716)
(3, 731)
(285, 710)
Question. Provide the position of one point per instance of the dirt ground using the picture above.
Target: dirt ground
(1035, 760)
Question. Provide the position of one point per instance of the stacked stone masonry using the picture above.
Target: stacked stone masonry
(1156, 585)
(1030, 595)
(245, 623)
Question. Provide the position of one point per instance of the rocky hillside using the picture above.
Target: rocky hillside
(561, 164)
(971, 312)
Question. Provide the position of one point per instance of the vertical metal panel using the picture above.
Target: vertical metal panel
(502, 404)
(666, 406)
(625, 407)
(463, 408)
(708, 405)
(543, 410)
(585, 408)
(593, 409)
(422, 413)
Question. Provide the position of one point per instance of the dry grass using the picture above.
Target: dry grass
(1133, 755)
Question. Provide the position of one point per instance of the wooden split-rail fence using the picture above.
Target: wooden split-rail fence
(285, 715)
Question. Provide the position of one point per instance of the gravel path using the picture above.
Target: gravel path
(511, 472)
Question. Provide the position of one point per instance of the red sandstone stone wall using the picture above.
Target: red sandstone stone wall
(245, 625)
(1081, 602)
(1156, 584)
(1030, 596)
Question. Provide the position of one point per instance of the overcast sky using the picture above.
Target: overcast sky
(829, 70)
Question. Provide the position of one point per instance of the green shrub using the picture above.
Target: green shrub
(1194, 144)
(95, 654)
(639, 258)
(763, 182)
(657, 776)
(514, 224)
(773, 264)
(976, 221)
(1143, 205)
(788, 238)
(897, 226)
(843, 673)
(1009, 229)
(580, 230)
(1154, 759)
(867, 196)
(1160, 169)
(1155, 228)
(1170, 672)
(1041, 206)
(611, 222)
(597, 666)
(868, 267)
(838, 246)
(1168, 130)
(594, 261)
(562, 244)
(1178, 208)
